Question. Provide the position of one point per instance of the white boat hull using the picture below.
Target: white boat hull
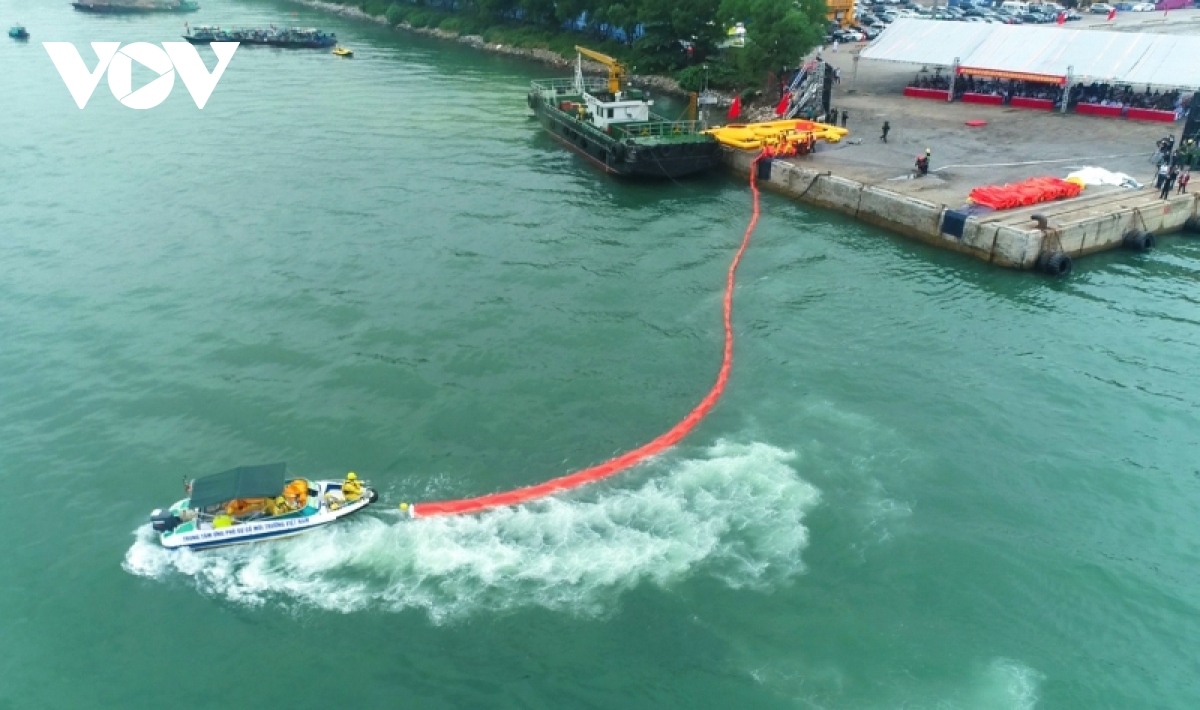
(268, 528)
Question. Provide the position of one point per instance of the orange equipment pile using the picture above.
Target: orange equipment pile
(1024, 193)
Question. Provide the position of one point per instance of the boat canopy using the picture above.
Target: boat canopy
(265, 481)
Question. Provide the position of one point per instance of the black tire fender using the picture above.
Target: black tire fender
(1139, 240)
(1056, 264)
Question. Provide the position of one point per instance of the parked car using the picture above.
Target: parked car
(1072, 15)
(1123, 6)
(1101, 8)
(1143, 7)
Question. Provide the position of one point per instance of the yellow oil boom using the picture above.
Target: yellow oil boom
(616, 70)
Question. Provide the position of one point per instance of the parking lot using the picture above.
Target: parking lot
(874, 17)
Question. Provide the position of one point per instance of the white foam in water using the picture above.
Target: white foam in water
(1003, 684)
(737, 514)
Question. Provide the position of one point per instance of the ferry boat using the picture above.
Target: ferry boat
(131, 6)
(256, 503)
(293, 38)
(614, 128)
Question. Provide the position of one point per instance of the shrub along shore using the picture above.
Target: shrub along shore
(789, 29)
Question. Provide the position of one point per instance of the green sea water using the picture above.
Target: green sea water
(930, 484)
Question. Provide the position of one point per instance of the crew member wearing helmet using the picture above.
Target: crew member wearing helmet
(352, 487)
(923, 162)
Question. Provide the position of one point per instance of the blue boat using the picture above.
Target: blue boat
(18, 32)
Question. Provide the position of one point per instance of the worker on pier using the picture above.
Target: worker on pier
(923, 162)
(1169, 183)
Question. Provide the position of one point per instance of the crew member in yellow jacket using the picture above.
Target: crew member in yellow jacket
(352, 487)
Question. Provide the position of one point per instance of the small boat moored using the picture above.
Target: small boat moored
(18, 32)
(343, 52)
(613, 127)
(255, 503)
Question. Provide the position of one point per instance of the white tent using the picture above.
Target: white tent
(927, 42)
(1119, 57)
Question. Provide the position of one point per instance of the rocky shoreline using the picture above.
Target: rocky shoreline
(664, 84)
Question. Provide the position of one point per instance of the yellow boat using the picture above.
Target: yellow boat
(342, 52)
(753, 136)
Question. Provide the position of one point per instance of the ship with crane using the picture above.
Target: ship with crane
(613, 127)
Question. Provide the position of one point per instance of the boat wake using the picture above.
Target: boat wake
(736, 514)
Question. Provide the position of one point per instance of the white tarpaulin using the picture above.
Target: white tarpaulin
(1100, 176)
(1092, 55)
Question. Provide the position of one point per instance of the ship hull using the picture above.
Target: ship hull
(128, 9)
(315, 44)
(630, 159)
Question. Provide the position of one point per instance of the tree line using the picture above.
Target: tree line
(674, 37)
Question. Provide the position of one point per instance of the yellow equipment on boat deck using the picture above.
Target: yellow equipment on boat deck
(755, 136)
(616, 70)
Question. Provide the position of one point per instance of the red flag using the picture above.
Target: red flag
(1111, 14)
(1062, 18)
(784, 103)
(735, 108)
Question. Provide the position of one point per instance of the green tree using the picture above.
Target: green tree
(394, 15)
(669, 21)
(778, 32)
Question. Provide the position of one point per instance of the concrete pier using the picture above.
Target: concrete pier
(1097, 220)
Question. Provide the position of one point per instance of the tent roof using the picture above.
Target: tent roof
(927, 41)
(1127, 57)
(242, 482)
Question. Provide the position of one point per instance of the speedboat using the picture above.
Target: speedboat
(343, 52)
(18, 32)
(255, 503)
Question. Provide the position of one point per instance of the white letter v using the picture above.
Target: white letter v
(199, 82)
(74, 73)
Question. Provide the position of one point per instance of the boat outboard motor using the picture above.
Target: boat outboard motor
(163, 520)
